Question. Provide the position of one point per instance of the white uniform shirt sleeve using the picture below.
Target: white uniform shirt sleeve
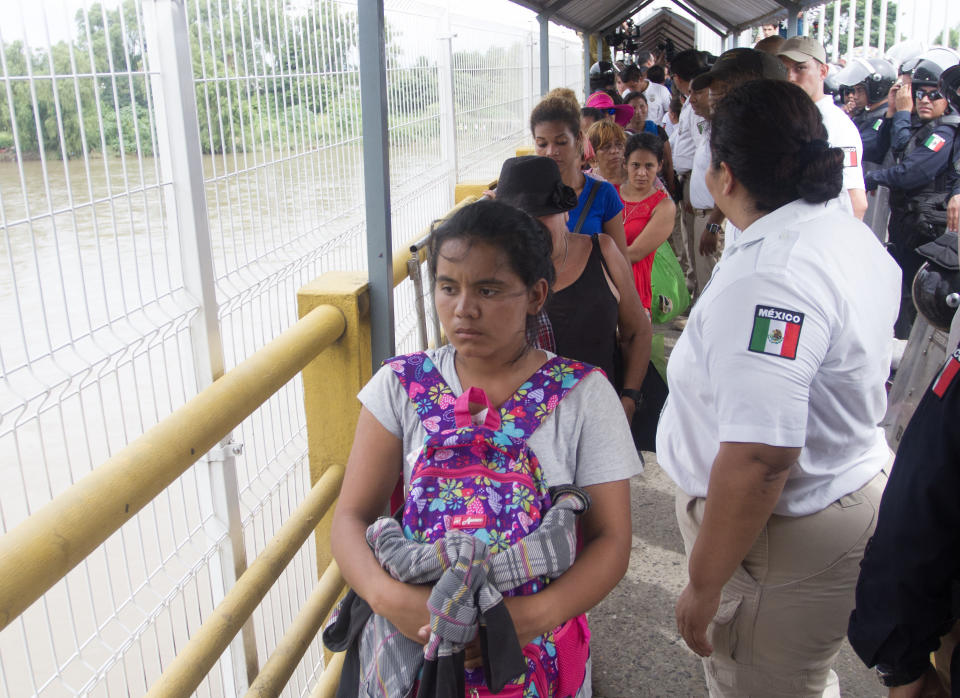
(700, 196)
(759, 397)
(683, 142)
(842, 133)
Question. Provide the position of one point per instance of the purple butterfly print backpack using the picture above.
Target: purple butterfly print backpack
(485, 480)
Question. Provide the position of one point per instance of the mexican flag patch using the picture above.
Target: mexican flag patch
(934, 142)
(877, 124)
(776, 331)
(947, 374)
(850, 157)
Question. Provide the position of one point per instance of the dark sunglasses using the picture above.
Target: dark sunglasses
(932, 95)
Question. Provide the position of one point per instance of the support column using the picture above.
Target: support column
(586, 66)
(181, 162)
(882, 34)
(448, 106)
(835, 53)
(376, 175)
(793, 21)
(332, 380)
(544, 54)
(851, 28)
(867, 21)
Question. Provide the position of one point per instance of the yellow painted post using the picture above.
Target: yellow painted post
(525, 150)
(465, 189)
(332, 380)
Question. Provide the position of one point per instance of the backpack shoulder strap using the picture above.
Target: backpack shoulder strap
(595, 187)
(425, 387)
(538, 397)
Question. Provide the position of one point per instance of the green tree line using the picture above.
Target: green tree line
(263, 77)
(890, 35)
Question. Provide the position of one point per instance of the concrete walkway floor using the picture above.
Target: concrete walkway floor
(636, 648)
(635, 645)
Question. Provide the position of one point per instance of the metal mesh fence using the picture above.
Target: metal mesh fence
(98, 291)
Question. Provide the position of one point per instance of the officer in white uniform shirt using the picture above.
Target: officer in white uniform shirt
(658, 96)
(776, 388)
(806, 64)
(699, 196)
(685, 66)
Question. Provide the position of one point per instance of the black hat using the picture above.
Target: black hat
(688, 64)
(742, 61)
(532, 184)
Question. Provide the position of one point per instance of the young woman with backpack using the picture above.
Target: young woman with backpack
(493, 270)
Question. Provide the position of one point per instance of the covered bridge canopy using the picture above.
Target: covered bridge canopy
(666, 24)
(723, 16)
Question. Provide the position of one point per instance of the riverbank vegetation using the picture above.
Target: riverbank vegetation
(266, 76)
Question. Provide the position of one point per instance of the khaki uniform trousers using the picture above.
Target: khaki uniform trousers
(783, 615)
(682, 222)
(701, 265)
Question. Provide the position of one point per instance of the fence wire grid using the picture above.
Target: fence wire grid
(98, 293)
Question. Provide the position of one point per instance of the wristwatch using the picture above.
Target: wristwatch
(713, 228)
(635, 395)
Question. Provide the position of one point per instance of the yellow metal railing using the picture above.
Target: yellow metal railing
(197, 658)
(41, 550)
(330, 347)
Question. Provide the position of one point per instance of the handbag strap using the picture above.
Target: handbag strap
(587, 204)
(595, 239)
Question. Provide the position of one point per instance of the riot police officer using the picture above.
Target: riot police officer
(908, 594)
(950, 86)
(865, 83)
(921, 180)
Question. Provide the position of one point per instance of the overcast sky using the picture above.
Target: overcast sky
(35, 19)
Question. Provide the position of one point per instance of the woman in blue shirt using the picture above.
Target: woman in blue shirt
(555, 124)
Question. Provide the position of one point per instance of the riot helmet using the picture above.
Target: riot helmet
(905, 53)
(936, 286)
(601, 76)
(926, 72)
(936, 294)
(876, 74)
(942, 56)
(830, 85)
(950, 84)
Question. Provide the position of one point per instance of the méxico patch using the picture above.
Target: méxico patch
(850, 156)
(934, 142)
(776, 331)
(947, 374)
(877, 124)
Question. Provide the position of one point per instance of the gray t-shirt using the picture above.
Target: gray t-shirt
(584, 441)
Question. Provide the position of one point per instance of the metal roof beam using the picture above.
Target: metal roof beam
(704, 20)
(778, 14)
(556, 7)
(618, 15)
(717, 19)
(762, 19)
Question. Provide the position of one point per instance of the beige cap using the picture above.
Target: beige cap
(803, 48)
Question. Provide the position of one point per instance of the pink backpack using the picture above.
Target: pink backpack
(484, 479)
